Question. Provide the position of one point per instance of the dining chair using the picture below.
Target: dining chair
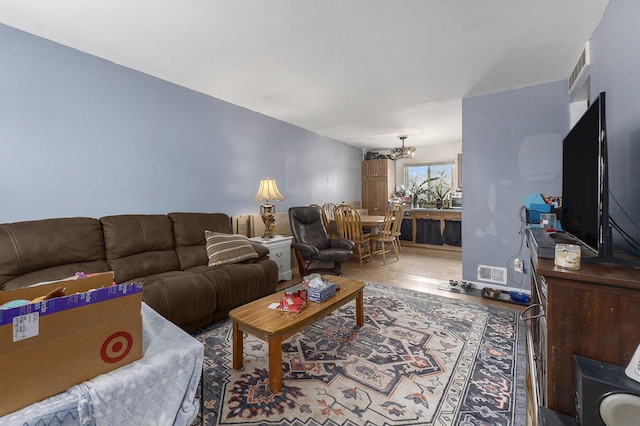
(350, 228)
(397, 224)
(328, 216)
(386, 236)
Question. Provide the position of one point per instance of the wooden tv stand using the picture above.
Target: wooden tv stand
(593, 312)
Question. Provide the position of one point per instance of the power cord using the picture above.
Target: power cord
(522, 215)
(632, 242)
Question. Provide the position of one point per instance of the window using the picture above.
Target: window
(415, 174)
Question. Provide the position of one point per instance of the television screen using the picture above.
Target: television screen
(584, 178)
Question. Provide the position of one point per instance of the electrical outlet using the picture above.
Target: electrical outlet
(518, 266)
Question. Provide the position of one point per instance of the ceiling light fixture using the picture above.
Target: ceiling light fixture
(404, 151)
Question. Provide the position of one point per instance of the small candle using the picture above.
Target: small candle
(568, 256)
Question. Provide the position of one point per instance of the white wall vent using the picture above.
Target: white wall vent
(577, 76)
(492, 274)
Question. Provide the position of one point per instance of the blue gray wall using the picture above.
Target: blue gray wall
(496, 127)
(81, 136)
(512, 147)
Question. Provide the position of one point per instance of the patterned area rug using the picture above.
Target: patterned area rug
(420, 359)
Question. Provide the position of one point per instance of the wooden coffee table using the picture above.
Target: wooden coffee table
(274, 326)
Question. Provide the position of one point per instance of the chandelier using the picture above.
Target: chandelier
(404, 151)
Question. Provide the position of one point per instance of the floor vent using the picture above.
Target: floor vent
(584, 60)
(492, 274)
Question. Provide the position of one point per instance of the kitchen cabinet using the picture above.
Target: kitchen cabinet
(432, 228)
(378, 168)
(378, 185)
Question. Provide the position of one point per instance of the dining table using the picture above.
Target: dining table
(368, 221)
(371, 221)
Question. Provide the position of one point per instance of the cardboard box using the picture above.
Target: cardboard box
(47, 347)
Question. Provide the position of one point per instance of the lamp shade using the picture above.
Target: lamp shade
(268, 191)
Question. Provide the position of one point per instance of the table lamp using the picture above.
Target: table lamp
(268, 191)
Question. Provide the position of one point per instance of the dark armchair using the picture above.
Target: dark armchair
(313, 244)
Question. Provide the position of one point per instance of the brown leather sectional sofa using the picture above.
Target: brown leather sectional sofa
(165, 253)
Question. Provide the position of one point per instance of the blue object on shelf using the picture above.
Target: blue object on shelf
(533, 216)
(534, 198)
(542, 208)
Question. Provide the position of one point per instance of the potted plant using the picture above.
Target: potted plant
(418, 190)
(440, 190)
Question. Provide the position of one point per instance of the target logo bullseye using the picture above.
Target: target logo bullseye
(116, 347)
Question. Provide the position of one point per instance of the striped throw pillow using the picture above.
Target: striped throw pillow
(228, 248)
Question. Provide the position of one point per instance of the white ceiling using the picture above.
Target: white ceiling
(360, 71)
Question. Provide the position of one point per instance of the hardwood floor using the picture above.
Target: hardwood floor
(418, 269)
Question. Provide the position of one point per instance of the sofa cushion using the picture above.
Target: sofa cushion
(188, 231)
(187, 299)
(49, 249)
(139, 245)
(228, 248)
(239, 283)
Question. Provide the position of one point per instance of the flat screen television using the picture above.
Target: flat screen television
(585, 182)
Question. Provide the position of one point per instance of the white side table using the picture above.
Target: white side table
(280, 252)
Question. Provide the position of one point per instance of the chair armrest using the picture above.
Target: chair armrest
(342, 243)
(306, 248)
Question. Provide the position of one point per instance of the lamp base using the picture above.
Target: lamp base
(267, 212)
(268, 233)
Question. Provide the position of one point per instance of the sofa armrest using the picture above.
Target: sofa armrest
(342, 243)
(261, 250)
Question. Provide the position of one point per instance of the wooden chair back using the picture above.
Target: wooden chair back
(329, 210)
(328, 216)
(386, 230)
(390, 227)
(349, 223)
(398, 213)
(350, 228)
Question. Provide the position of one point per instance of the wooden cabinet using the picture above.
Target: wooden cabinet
(378, 185)
(378, 168)
(429, 229)
(374, 195)
(593, 312)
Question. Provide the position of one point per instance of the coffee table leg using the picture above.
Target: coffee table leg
(360, 309)
(238, 356)
(275, 364)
